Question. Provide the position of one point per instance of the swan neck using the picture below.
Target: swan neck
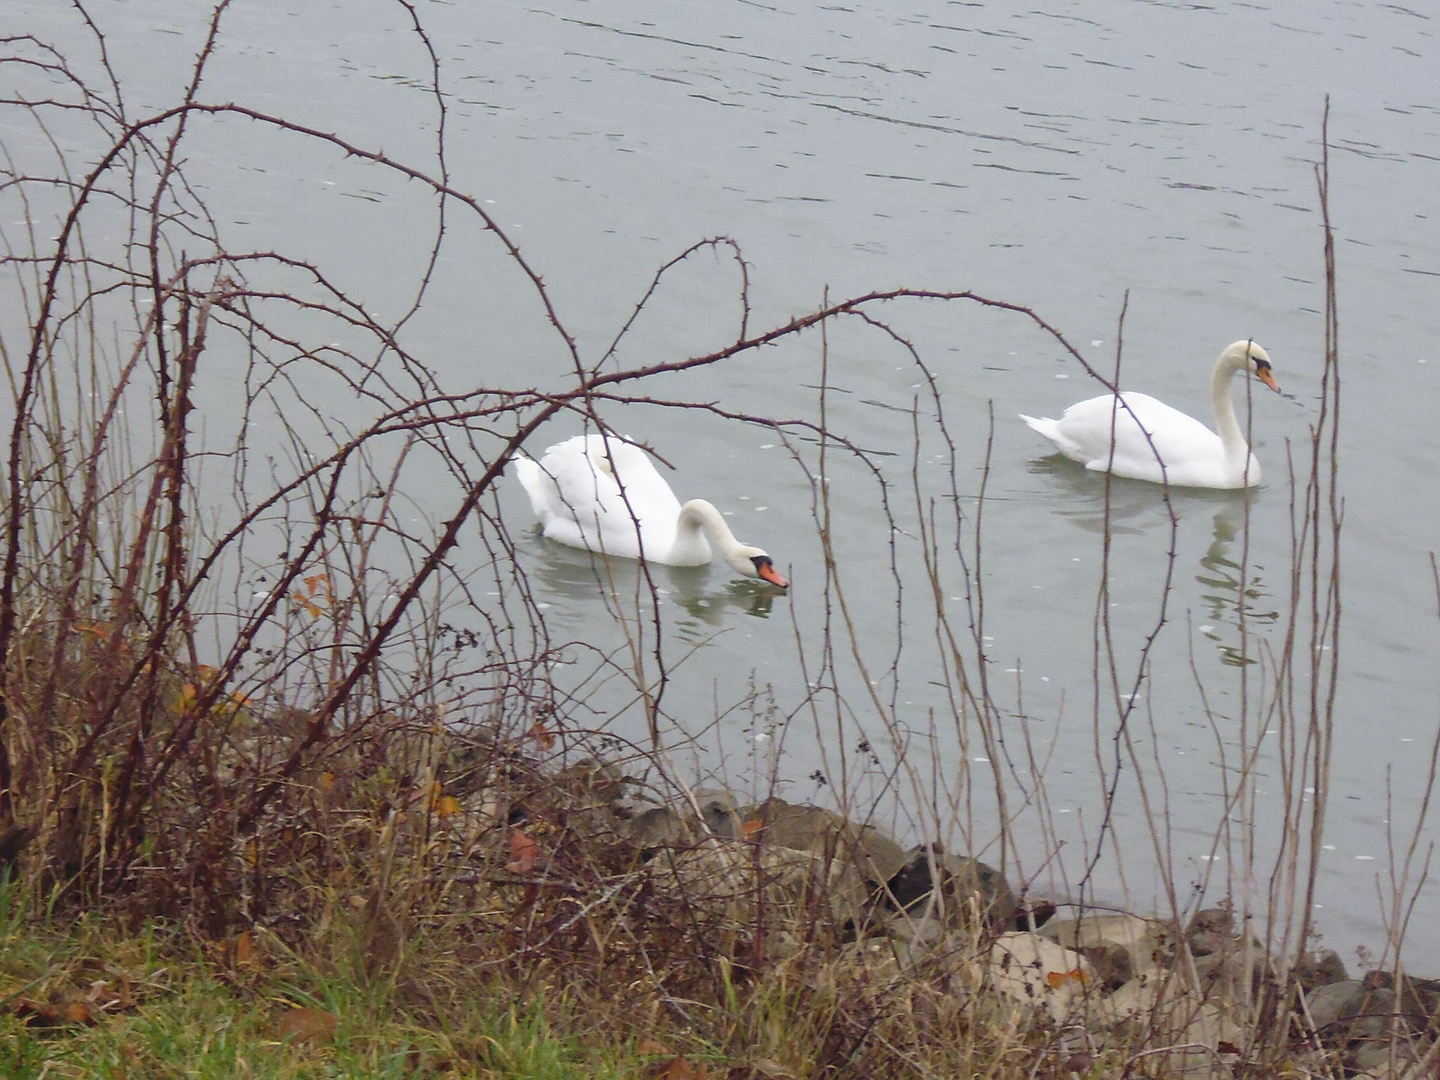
(1226, 424)
(697, 514)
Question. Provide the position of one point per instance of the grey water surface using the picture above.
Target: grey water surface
(1063, 157)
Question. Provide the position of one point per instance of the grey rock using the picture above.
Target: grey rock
(813, 828)
(966, 885)
(1419, 998)
(1314, 970)
(659, 826)
(1334, 1002)
(1381, 1055)
(717, 811)
(1211, 931)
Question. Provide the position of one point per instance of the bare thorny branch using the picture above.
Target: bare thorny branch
(192, 300)
(150, 604)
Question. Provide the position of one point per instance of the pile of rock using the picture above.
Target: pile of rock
(1104, 982)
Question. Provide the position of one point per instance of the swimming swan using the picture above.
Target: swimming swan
(576, 492)
(1193, 455)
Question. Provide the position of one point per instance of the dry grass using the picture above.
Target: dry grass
(278, 749)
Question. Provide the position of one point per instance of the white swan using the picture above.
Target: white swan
(591, 491)
(1192, 454)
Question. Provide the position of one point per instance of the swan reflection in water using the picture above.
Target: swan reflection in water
(1137, 509)
(1228, 593)
(1135, 505)
(570, 574)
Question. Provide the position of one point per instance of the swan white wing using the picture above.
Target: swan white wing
(1148, 440)
(558, 519)
(590, 492)
(538, 486)
(633, 467)
(575, 494)
(1193, 454)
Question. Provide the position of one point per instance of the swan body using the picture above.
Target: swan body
(605, 495)
(1185, 453)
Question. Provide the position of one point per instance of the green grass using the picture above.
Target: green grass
(157, 1008)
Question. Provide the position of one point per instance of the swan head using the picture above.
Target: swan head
(752, 562)
(1248, 356)
(746, 560)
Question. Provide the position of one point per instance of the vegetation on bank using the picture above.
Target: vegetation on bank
(289, 788)
(86, 999)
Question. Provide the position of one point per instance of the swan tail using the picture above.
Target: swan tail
(1043, 424)
(1047, 427)
(1051, 430)
(538, 485)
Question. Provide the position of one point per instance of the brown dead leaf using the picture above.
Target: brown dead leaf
(381, 935)
(651, 1047)
(240, 951)
(751, 827)
(314, 1027)
(525, 850)
(34, 1013)
(111, 995)
(543, 736)
(682, 1068)
(314, 609)
(246, 954)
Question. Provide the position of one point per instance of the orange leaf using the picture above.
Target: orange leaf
(77, 1012)
(525, 850)
(751, 827)
(447, 806)
(681, 1068)
(315, 1026)
(543, 736)
(1057, 979)
(651, 1046)
(245, 951)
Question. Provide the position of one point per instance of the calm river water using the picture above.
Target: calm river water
(1060, 157)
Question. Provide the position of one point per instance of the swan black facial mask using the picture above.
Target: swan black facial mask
(765, 568)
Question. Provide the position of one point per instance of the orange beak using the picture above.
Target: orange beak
(1263, 374)
(766, 569)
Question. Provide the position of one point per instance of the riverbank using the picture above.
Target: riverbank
(510, 918)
